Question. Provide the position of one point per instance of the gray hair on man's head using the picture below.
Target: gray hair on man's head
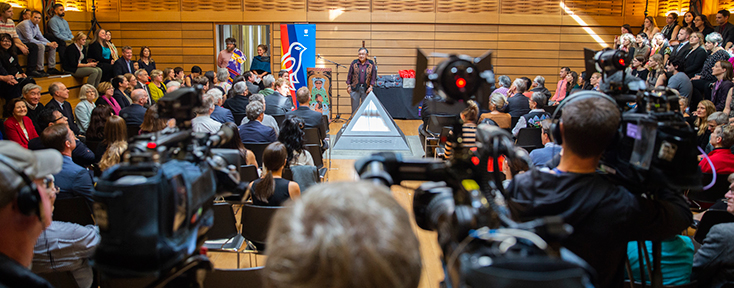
(240, 88)
(222, 74)
(540, 80)
(539, 99)
(207, 103)
(216, 94)
(173, 83)
(719, 117)
(254, 109)
(257, 97)
(520, 85)
(505, 81)
(268, 81)
(29, 87)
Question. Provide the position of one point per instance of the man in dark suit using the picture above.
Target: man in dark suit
(73, 180)
(682, 49)
(125, 63)
(142, 76)
(276, 104)
(254, 131)
(725, 28)
(238, 103)
(518, 104)
(311, 119)
(60, 93)
(81, 155)
(135, 113)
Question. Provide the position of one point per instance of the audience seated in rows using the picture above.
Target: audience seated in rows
(272, 189)
(293, 137)
(81, 155)
(254, 131)
(367, 225)
(722, 159)
(247, 156)
(311, 119)
(107, 97)
(203, 121)
(18, 127)
(279, 102)
(713, 260)
(536, 114)
(518, 104)
(497, 102)
(120, 84)
(83, 111)
(38, 46)
(135, 113)
(221, 115)
(73, 180)
(468, 129)
(542, 156)
(32, 99)
(59, 94)
(75, 61)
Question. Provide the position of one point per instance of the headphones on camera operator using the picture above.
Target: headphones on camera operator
(28, 195)
(556, 118)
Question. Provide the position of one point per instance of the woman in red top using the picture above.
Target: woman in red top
(19, 127)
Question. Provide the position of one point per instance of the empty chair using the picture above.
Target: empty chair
(257, 149)
(529, 138)
(73, 210)
(255, 222)
(279, 119)
(226, 278)
(248, 173)
(312, 143)
(223, 234)
(513, 121)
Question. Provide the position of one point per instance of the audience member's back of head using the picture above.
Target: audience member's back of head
(292, 135)
(539, 99)
(268, 81)
(254, 109)
(115, 130)
(330, 238)
(55, 137)
(239, 88)
(588, 125)
(520, 85)
(504, 81)
(303, 95)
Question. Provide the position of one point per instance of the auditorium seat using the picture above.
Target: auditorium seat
(529, 139)
(73, 210)
(258, 149)
(255, 221)
(223, 235)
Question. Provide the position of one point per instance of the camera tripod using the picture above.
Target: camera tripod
(95, 23)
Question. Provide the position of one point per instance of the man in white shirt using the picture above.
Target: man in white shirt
(203, 121)
(30, 34)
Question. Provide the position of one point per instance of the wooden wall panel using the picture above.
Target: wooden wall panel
(678, 6)
(171, 44)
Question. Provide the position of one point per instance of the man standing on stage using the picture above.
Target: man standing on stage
(231, 58)
(361, 78)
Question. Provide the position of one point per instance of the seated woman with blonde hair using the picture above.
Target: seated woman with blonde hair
(113, 155)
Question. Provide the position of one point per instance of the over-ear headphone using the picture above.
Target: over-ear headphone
(28, 195)
(556, 118)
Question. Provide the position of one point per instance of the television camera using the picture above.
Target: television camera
(154, 208)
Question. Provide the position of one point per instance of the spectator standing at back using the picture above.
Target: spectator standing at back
(231, 58)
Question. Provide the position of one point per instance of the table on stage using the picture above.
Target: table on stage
(397, 101)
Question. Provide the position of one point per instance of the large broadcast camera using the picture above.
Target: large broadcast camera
(656, 148)
(482, 246)
(154, 208)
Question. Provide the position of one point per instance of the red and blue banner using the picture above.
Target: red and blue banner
(298, 46)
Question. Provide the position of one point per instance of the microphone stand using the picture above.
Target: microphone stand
(338, 118)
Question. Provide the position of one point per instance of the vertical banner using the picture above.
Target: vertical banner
(319, 82)
(298, 46)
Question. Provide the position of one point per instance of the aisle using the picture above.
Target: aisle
(343, 170)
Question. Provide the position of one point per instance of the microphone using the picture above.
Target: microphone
(374, 57)
(318, 56)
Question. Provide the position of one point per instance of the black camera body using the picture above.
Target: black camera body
(154, 208)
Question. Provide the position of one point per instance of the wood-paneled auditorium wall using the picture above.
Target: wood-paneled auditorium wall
(528, 37)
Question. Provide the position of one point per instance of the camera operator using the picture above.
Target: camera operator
(604, 216)
(334, 239)
(25, 210)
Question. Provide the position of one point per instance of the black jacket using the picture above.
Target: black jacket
(95, 52)
(121, 99)
(682, 53)
(543, 90)
(277, 104)
(237, 104)
(70, 61)
(311, 119)
(12, 274)
(133, 114)
(604, 216)
(119, 67)
(518, 105)
(10, 63)
(694, 61)
(67, 111)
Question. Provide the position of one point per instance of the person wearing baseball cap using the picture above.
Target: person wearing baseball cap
(25, 209)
